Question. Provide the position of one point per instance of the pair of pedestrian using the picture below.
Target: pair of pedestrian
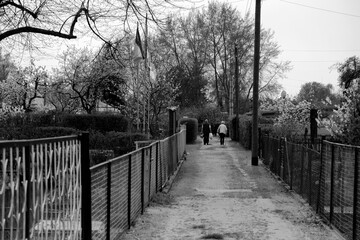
(206, 132)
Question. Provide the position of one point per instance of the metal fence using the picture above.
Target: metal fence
(48, 190)
(339, 201)
(40, 188)
(122, 187)
(328, 179)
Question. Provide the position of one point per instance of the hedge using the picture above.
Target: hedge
(83, 122)
(245, 128)
(100, 122)
(191, 128)
(120, 142)
(12, 133)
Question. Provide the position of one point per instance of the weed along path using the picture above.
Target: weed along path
(217, 194)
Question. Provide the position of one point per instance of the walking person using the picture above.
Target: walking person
(222, 130)
(206, 129)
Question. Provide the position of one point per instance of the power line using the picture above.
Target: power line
(315, 61)
(321, 50)
(322, 9)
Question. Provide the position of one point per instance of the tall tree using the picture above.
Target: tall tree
(183, 37)
(64, 19)
(24, 85)
(92, 78)
(228, 28)
(318, 94)
(6, 65)
(349, 71)
(223, 22)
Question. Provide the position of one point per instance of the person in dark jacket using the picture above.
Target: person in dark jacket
(206, 129)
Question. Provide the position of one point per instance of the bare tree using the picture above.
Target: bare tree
(68, 19)
(24, 85)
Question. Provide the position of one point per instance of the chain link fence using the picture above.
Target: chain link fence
(324, 173)
(122, 187)
(48, 190)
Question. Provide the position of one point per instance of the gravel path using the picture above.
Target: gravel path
(217, 194)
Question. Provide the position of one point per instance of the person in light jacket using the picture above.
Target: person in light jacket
(222, 130)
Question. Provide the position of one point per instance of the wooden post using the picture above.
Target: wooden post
(254, 149)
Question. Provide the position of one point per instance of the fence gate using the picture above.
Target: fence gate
(41, 188)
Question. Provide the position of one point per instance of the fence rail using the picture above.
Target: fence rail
(48, 190)
(327, 177)
(122, 187)
(40, 182)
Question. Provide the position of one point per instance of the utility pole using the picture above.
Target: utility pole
(236, 93)
(255, 142)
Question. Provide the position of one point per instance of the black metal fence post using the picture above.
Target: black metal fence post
(355, 201)
(161, 160)
(108, 200)
(129, 193)
(310, 158)
(150, 162)
(142, 179)
(86, 187)
(292, 166)
(281, 159)
(28, 193)
(302, 170)
(320, 196)
(332, 182)
(177, 151)
(157, 167)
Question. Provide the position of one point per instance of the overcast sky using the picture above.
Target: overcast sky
(312, 34)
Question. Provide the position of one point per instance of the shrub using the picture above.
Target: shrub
(245, 128)
(191, 128)
(98, 156)
(41, 119)
(27, 132)
(213, 114)
(100, 122)
(120, 142)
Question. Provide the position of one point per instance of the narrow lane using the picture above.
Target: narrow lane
(219, 195)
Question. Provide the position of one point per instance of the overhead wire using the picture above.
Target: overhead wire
(321, 9)
(321, 50)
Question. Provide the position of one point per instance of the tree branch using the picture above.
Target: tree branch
(33, 14)
(77, 15)
(35, 30)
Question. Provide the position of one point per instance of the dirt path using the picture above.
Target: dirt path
(219, 195)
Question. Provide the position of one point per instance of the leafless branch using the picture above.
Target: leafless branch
(22, 8)
(35, 30)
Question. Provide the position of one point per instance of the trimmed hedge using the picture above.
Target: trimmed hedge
(120, 142)
(100, 122)
(83, 122)
(245, 128)
(34, 133)
(98, 156)
(191, 128)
